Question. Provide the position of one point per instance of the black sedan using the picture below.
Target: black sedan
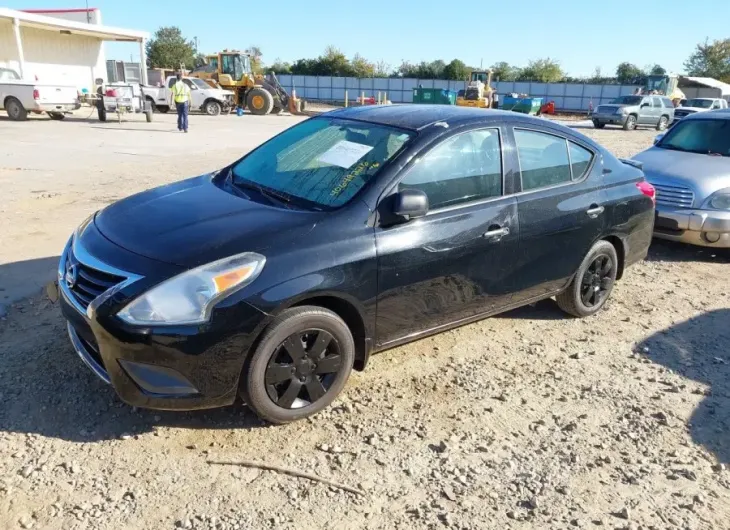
(346, 234)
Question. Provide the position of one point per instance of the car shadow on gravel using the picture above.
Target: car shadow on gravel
(698, 349)
(21, 279)
(664, 250)
(46, 390)
(542, 310)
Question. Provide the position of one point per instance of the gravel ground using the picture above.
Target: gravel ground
(526, 420)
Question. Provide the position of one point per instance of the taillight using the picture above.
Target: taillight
(36, 94)
(647, 189)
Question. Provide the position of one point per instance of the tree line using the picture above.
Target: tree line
(170, 49)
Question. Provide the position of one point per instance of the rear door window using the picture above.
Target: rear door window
(580, 160)
(544, 159)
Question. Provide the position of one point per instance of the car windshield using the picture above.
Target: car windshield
(200, 83)
(627, 100)
(699, 103)
(710, 137)
(321, 163)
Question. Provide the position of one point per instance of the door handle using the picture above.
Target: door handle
(595, 211)
(497, 233)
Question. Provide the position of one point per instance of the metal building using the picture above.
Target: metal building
(62, 46)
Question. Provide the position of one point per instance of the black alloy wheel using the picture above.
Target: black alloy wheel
(300, 365)
(593, 282)
(597, 282)
(303, 368)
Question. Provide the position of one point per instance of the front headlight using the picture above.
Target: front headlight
(720, 201)
(621, 110)
(189, 298)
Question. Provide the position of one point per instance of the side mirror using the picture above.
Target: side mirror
(644, 105)
(410, 203)
(658, 138)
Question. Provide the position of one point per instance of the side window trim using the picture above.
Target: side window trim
(440, 141)
(572, 180)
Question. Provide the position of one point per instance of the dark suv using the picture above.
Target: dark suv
(349, 233)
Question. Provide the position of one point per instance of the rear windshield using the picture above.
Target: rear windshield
(320, 163)
(699, 103)
(627, 100)
(709, 137)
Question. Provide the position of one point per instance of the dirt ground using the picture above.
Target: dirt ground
(526, 420)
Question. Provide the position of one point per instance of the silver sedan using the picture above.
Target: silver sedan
(690, 169)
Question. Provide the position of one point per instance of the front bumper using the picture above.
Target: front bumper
(613, 119)
(707, 228)
(165, 367)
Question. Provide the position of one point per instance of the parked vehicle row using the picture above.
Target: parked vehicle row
(349, 233)
(19, 97)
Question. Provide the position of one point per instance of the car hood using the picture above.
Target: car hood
(703, 173)
(614, 105)
(193, 222)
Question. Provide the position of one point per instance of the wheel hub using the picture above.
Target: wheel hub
(305, 368)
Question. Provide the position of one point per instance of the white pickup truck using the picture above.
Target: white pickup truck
(19, 97)
(204, 98)
(695, 105)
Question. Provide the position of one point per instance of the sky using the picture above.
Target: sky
(579, 35)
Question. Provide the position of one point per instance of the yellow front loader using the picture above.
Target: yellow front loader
(231, 70)
(478, 92)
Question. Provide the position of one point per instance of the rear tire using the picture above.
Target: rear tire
(593, 282)
(259, 101)
(57, 115)
(598, 125)
(153, 106)
(663, 122)
(630, 124)
(283, 383)
(15, 110)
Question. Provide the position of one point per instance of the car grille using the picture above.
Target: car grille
(86, 283)
(677, 196)
(606, 110)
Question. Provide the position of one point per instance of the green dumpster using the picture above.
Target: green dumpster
(434, 96)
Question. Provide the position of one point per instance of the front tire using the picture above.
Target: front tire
(15, 110)
(259, 101)
(57, 115)
(593, 283)
(300, 365)
(213, 108)
(630, 124)
(663, 122)
(598, 125)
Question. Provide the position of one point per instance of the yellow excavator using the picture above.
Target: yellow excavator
(478, 92)
(231, 70)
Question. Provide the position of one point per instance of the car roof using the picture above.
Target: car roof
(417, 117)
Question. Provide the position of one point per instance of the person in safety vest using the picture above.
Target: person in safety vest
(181, 97)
